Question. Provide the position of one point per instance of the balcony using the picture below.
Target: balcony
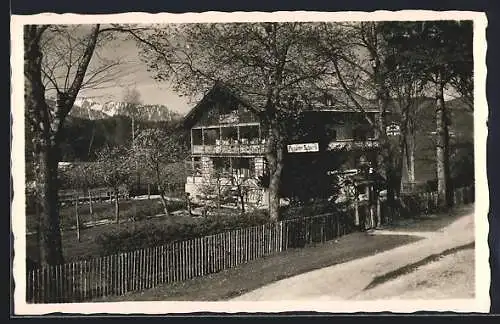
(233, 149)
(351, 144)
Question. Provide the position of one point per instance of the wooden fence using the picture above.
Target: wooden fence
(96, 194)
(427, 202)
(178, 261)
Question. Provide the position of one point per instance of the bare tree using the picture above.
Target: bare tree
(59, 60)
(63, 47)
(46, 125)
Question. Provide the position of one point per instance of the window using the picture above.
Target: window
(222, 164)
(211, 135)
(249, 134)
(196, 137)
(229, 134)
(241, 166)
(343, 132)
(363, 132)
(330, 132)
(196, 165)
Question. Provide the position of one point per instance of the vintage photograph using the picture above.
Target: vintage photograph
(250, 161)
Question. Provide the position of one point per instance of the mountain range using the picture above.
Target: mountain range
(89, 109)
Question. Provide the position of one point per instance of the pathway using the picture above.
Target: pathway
(349, 280)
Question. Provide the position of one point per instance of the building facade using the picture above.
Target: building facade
(228, 146)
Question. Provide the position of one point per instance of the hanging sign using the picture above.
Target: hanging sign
(393, 130)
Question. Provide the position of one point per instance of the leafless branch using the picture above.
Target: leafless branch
(349, 92)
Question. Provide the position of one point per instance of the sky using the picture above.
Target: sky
(134, 74)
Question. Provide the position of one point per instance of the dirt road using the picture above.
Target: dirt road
(383, 271)
(450, 277)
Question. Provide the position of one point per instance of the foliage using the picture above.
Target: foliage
(312, 208)
(113, 166)
(80, 176)
(156, 151)
(159, 146)
(462, 164)
(429, 48)
(148, 235)
(195, 56)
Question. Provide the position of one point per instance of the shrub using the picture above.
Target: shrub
(311, 209)
(152, 234)
(142, 211)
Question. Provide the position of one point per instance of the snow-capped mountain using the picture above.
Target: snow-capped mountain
(87, 108)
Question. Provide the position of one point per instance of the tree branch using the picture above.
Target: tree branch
(349, 93)
(62, 111)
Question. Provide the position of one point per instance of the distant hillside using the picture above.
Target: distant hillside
(84, 137)
(461, 127)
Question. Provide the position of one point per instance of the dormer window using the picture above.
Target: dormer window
(328, 100)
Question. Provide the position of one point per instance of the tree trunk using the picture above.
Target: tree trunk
(133, 131)
(117, 207)
(411, 163)
(403, 163)
(407, 165)
(91, 142)
(77, 216)
(46, 153)
(138, 184)
(275, 159)
(442, 149)
(163, 201)
(188, 203)
(242, 199)
(218, 183)
(91, 210)
(384, 161)
(47, 128)
(50, 243)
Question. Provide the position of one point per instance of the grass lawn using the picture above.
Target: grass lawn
(255, 274)
(88, 246)
(106, 210)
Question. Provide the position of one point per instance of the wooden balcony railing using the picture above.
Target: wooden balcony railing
(236, 149)
(348, 145)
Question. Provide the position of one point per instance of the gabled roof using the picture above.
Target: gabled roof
(339, 102)
(216, 92)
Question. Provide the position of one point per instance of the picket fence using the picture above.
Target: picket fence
(427, 202)
(178, 261)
